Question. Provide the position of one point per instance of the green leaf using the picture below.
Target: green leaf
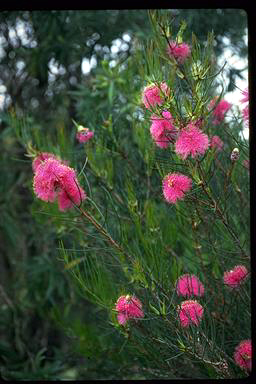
(154, 309)
(183, 26)
(179, 73)
(111, 92)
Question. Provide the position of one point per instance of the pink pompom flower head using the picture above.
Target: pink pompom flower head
(180, 51)
(243, 355)
(220, 110)
(154, 95)
(54, 179)
(190, 313)
(162, 129)
(174, 187)
(189, 285)
(216, 143)
(191, 141)
(128, 307)
(236, 276)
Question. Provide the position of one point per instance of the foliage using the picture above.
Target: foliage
(125, 239)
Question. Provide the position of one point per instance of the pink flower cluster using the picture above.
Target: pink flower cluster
(84, 135)
(236, 276)
(179, 51)
(246, 108)
(191, 141)
(220, 110)
(243, 355)
(54, 179)
(162, 129)
(216, 143)
(153, 95)
(189, 285)
(190, 312)
(128, 307)
(174, 186)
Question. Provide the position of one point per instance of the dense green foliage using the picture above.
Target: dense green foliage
(60, 275)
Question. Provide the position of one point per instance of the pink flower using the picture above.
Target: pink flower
(45, 185)
(216, 143)
(246, 108)
(191, 141)
(84, 135)
(162, 129)
(128, 307)
(236, 276)
(53, 180)
(179, 51)
(154, 95)
(190, 312)
(220, 110)
(40, 158)
(243, 355)
(188, 285)
(174, 186)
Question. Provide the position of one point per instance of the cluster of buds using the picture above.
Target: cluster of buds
(83, 134)
(234, 155)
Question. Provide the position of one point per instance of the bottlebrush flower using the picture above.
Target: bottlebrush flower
(40, 158)
(243, 355)
(154, 95)
(53, 180)
(84, 135)
(245, 110)
(236, 276)
(162, 129)
(216, 143)
(189, 285)
(174, 186)
(220, 110)
(191, 141)
(179, 51)
(190, 312)
(128, 307)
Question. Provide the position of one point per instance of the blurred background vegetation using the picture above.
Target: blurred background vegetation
(49, 330)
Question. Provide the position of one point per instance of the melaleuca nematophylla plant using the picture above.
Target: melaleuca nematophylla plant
(173, 278)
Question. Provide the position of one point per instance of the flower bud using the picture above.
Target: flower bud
(80, 128)
(234, 154)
